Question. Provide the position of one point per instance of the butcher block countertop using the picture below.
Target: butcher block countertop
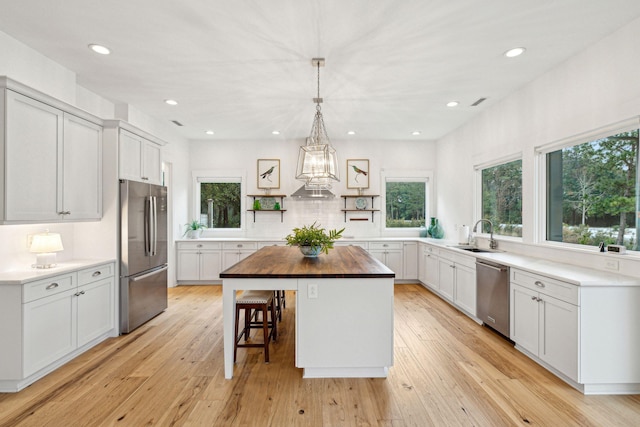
(287, 262)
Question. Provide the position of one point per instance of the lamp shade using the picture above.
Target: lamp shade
(46, 242)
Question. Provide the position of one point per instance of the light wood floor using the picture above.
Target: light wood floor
(448, 371)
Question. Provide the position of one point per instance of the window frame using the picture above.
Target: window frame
(477, 200)
(540, 159)
(220, 176)
(426, 176)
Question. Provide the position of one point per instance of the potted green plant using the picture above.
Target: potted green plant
(193, 229)
(313, 239)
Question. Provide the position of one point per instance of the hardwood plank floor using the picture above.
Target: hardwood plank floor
(448, 371)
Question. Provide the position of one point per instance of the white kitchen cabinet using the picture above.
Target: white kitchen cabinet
(139, 159)
(465, 288)
(199, 261)
(543, 324)
(390, 254)
(52, 320)
(453, 276)
(233, 252)
(410, 259)
(446, 275)
(52, 163)
(430, 274)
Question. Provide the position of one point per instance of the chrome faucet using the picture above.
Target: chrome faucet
(492, 243)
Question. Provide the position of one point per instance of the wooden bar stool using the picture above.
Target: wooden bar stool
(254, 302)
(281, 303)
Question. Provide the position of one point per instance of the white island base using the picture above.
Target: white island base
(344, 327)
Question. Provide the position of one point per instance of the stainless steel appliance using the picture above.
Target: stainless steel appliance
(492, 306)
(143, 253)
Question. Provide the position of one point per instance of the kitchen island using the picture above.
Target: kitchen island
(344, 308)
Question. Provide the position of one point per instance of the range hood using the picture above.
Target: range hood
(312, 193)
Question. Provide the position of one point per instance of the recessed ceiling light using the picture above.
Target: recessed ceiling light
(416, 133)
(171, 101)
(452, 104)
(276, 132)
(351, 132)
(516, 51)
(209, 132)
(102, 50)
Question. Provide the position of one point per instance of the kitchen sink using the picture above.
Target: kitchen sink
(472, 248)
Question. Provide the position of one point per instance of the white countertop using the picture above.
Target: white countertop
(576, 275)
(23, 274)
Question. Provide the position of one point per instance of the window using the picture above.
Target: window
(219, 201)
(406, 201)
(502, 197)
(592, 191)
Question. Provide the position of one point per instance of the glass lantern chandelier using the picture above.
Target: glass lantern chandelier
(317, 160)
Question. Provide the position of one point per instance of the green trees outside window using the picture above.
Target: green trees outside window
(593, 192)
(502, 198)
(220, 204)
(405, 204)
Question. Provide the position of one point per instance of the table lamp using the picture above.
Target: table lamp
(45, 245)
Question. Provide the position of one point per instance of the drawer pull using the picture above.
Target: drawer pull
(539, 284)
(239, 246)
(199, 246)
(52, 286)
(96, 273)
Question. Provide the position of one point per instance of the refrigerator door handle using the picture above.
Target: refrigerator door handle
(144, 276)
(147, 226)
(154, 227)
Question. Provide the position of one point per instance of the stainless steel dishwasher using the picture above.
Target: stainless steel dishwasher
(492, 306)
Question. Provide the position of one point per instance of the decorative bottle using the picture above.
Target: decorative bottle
(435, 229)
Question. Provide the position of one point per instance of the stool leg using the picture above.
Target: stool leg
(274, 322)
(265, 329)
(247, 323)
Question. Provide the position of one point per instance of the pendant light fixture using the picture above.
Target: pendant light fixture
(317, 160)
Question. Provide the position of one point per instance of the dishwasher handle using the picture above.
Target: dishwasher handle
(493, 267)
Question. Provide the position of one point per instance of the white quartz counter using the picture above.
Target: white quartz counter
(576, 275)
(22, 274)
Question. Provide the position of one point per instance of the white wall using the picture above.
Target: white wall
(598, 87)
(243, 155)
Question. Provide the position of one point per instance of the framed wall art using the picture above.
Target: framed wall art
(268, 173)
(358, 173)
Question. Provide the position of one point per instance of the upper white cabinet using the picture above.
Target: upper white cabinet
(140, 158)
(51, 163)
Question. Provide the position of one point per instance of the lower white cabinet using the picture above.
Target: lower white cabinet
(410, 259)
(428, 267)
(390, 254)
(464, 294)
(199, 261)
(52, 320)
(542, 323)
(446, 275)
(233, 252)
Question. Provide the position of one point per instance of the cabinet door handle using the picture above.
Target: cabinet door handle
(96, 273)
(539, 284)
(81, 292)
(534, 299)
(52, 286)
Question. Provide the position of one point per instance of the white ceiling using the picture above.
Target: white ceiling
(243, 68)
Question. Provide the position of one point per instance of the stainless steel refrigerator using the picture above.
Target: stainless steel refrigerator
(143, 253)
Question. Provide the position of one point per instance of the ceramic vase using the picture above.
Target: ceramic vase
(310, 251)
(435, 229)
